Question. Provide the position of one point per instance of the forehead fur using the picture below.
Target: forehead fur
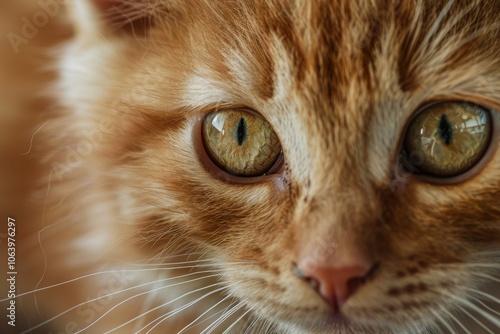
(344, 68)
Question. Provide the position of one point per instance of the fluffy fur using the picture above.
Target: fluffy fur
(129, 226)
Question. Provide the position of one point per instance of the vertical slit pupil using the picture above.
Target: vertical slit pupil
(242, 131)
(445, 130)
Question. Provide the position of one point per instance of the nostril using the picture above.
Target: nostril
(354, 284)
(311, 280)
(373, 271)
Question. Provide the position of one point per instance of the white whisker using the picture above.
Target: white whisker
(203, 314)
(496, 300)
(462, 309)
(484, 305)
(222, 318)
(146, 292)
(486, 315)
(33, 136)
(487, 276)
(269, 326)
(182, 308)
(163, 305)
(122, 291)
(228, 330)
(251, 325)
(118, 271)
(443, 321)
(224, 312)
(164, 261)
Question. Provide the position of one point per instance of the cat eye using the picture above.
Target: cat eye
(447, 139)
(241, 142)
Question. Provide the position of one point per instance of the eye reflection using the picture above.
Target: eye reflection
(447, 139)
(241, 142)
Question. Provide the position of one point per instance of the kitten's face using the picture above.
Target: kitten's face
(341, 232)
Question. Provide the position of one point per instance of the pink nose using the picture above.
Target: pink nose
(335, 284)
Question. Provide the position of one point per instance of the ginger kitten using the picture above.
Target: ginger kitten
(207, 166)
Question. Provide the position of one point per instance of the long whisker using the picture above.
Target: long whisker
(224, 311)
(487, 276)
(203, 314)
(259, 328)
(443, 321)
(462, 309)
(477, 292)
(180, 309)
(414, 327)
(250, 326)
(163, 305)
(164, 259)
(484, 305)
(269, 327)
(482, 312)
(146, 292)
(118, 271)
(122, 291)
(486, 315)
(223, 318)
(163, 262)
(264, 327)
(228, 330)
(216, 314)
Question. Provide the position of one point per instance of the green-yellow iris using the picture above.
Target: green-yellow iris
(448, 139)
(240, 142)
